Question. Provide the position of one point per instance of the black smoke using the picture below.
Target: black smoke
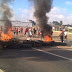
(6, 14)
(42, 7)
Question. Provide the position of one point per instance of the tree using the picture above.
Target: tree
(56, 23)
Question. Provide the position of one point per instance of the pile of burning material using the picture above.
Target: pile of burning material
(10, 43)
(19, 44)
(50, 43)
(38, 43)
(32, 43)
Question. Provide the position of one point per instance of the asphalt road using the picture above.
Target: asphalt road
(35, 60)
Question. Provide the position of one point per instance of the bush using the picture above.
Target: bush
(70, 30)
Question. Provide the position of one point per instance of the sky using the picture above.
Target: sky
(61, 10)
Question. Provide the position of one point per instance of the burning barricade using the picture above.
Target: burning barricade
(6, 31)
(6, 37)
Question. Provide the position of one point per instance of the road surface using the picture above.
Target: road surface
(36, 60)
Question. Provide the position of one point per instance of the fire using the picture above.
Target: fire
(47, 38)
(6, 37)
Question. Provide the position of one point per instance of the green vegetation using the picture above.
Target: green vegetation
(58, 23)
(70, 30)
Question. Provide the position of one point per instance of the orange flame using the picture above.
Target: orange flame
(6, 37)
(47, 38)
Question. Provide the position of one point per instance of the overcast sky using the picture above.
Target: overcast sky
(61, 10)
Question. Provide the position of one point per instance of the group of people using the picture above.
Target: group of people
(63, 35)
(30, 32)
(17, 30)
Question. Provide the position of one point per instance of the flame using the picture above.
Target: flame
(6, 37)
(47, 38)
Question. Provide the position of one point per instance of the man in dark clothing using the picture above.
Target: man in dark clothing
(34, 31)
(62, 36)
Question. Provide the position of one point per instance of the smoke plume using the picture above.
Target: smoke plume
(6, 14)
(41, 8)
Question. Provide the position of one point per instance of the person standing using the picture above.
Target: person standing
(30, 33)
(19, 29)
(22, 30)
(62, 36)
(42, 34)
(26, 32)
(34, 30)
(16, 31)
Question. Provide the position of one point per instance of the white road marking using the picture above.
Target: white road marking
(1, 70)
(53, 54)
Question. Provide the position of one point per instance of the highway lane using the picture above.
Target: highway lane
(32, 60)
(64, 52)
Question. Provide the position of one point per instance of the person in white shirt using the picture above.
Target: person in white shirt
(65, 33)
(19, 29)
(30, 32)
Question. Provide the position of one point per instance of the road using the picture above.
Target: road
(36, 60)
